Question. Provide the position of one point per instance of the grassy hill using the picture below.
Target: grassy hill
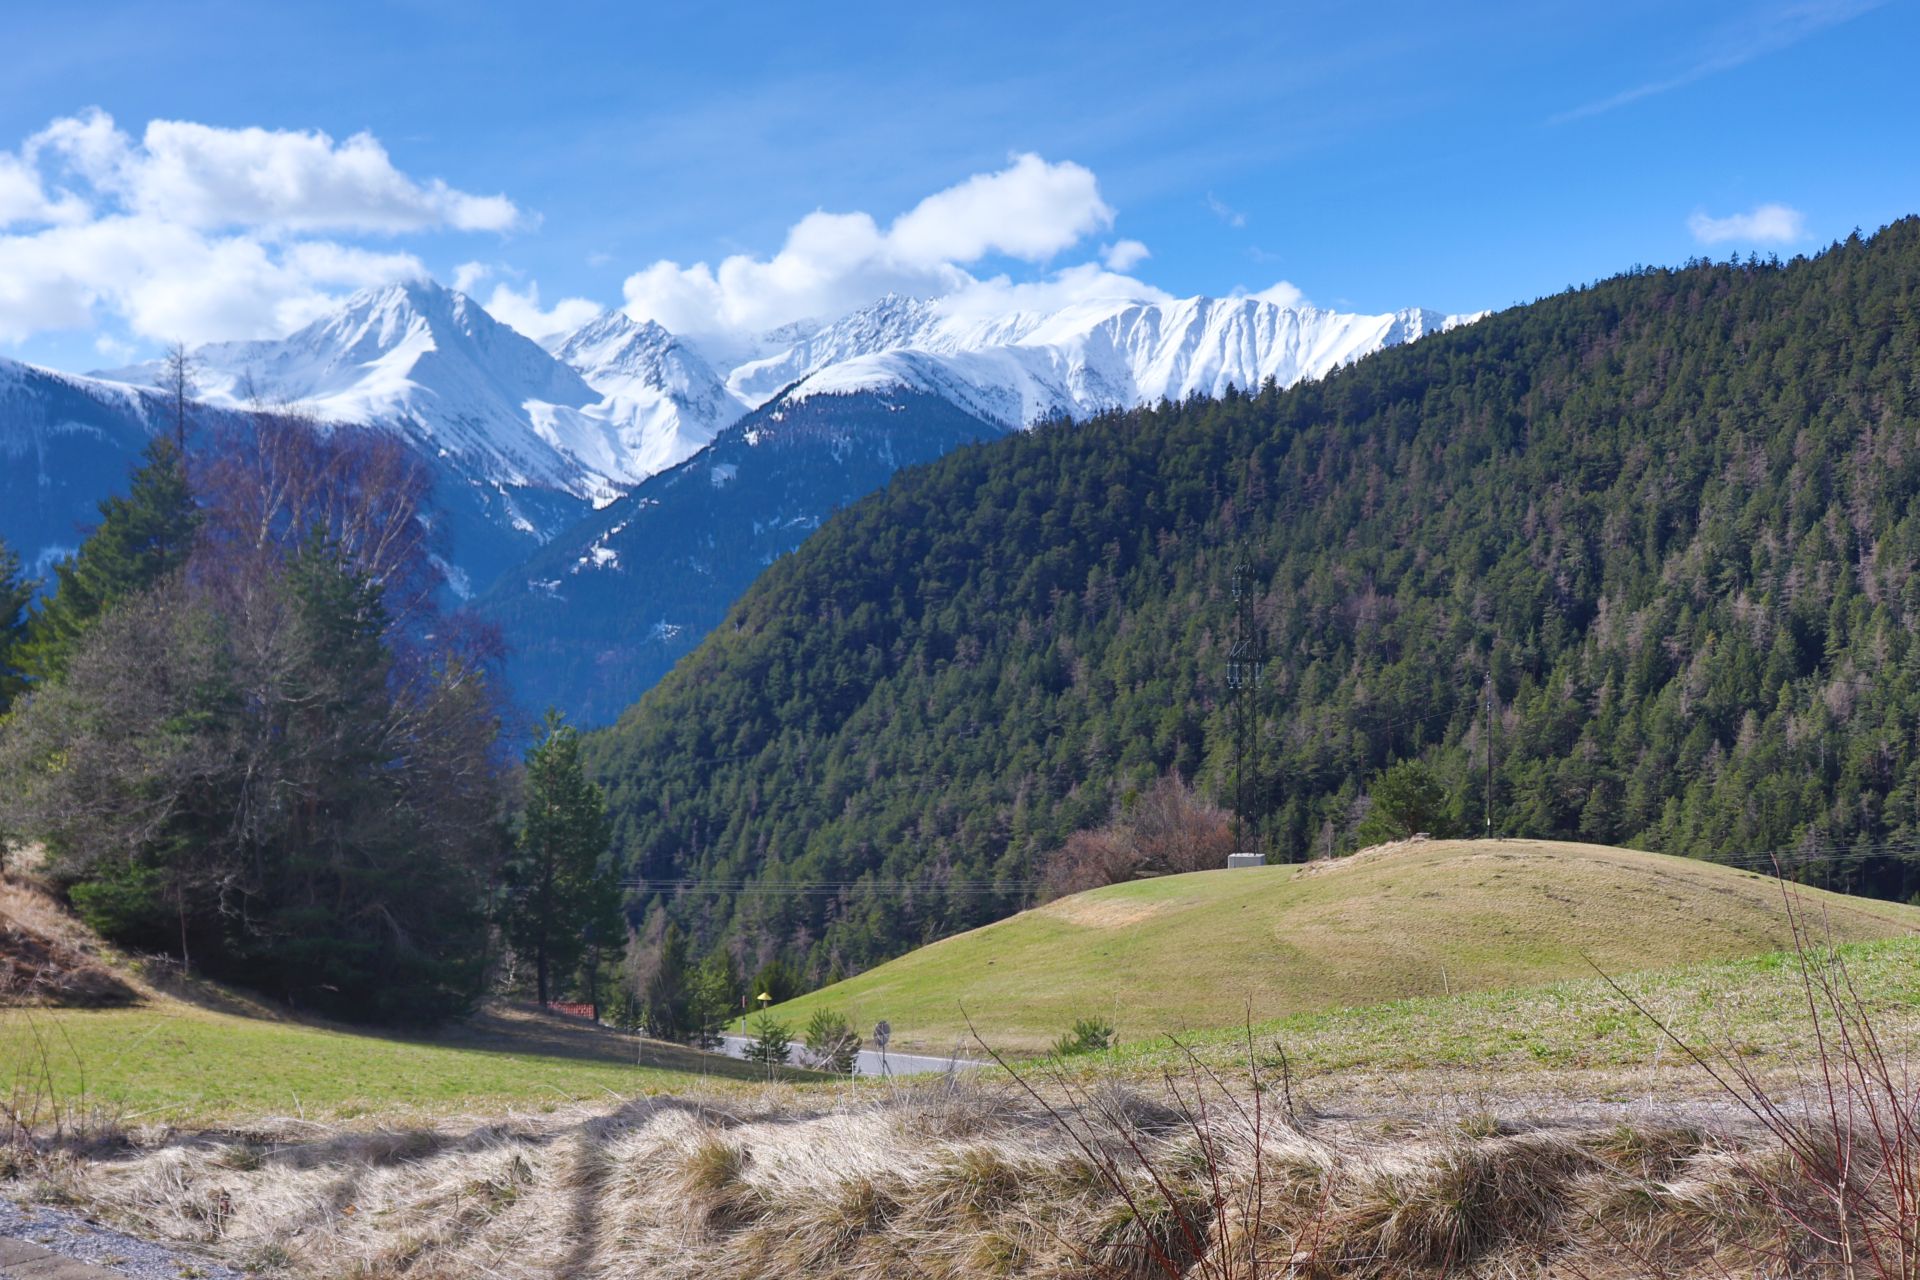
(1417, 919)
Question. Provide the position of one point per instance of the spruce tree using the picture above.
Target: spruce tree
(16, 592)
(564, 892)
(141, 539)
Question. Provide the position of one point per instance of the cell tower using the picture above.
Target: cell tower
(1246, 672)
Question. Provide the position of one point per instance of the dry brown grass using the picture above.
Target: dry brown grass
(953, 1179)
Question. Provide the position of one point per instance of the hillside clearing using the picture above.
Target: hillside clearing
(1414, 920)
(184, 1052)
(174, 1064)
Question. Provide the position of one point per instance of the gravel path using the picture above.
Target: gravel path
(72, 1236)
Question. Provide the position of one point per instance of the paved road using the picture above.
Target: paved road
(870, 1062)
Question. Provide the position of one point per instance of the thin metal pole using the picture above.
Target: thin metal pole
(1489, 727)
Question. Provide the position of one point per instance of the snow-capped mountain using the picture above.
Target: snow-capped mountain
(524, 442)
(431, 363)
(1025, 367)
(664, 400)
(552, 464)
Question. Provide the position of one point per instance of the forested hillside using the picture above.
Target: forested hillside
(1673, 512)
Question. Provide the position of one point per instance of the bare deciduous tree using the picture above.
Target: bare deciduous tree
(1167, 829)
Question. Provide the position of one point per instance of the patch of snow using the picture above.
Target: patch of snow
(458, 580)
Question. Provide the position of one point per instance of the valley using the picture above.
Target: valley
(875, 646)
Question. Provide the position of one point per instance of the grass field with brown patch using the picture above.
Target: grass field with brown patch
(1415, 920)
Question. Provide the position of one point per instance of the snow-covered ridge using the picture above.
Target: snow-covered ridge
(433, 364)
(620, 400)
(1025, 367)
(664, 398)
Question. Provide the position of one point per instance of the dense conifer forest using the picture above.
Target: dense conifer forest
(1672, 513)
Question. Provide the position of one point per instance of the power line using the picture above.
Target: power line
(826, 888)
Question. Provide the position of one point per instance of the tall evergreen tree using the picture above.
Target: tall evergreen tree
(16, 592)
(565, 892)
(142, 538)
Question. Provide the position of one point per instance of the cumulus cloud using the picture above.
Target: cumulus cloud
(521, 309)
(24, 199)
(165, 280)
(198, 233)
(264, 179)
(1124, 255)
(1767, 224)
(469, 276)
(1282, 293)
(1086, 282)
(830, 263)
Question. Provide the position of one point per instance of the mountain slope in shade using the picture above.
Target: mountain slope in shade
(605, 610)
(603, 613)
(65, 443)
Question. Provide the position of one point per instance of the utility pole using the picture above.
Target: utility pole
(1489, 736)
(1246, 670)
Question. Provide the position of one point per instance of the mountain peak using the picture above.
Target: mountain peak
(615, 341)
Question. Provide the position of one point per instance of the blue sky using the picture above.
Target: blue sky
(1393, 154)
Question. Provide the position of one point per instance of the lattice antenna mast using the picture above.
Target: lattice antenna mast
(1246, 672)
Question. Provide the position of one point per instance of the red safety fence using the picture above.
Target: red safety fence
(586, 1011)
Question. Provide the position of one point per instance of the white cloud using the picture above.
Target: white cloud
(114, 350)
(24, 199)
(201, 233)
(1086, 282)
(469, 276)
(1755, 34)
(1030, 210)
(1124, 255)
(1282, 293)
(164, 280)
(520, 308)
(1225, 212)
(279, 180)
(832, 262)
(1767, 224)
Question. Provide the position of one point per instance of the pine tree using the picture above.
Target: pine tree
(16, 592)
(141, 539)
(711, 997)
(667, 994)
(564, 892)
(772, 1042)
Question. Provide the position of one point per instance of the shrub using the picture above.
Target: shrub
(1087, 1035)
